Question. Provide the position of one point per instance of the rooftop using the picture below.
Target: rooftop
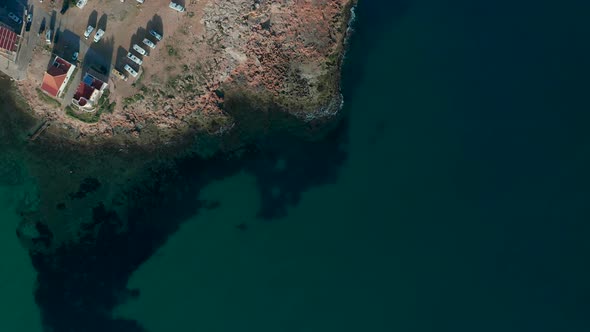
(87, 89)
(55, 76)
(8, 39)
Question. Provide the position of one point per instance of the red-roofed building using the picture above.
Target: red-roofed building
(8, 40)
(57, 76)
(88, 93)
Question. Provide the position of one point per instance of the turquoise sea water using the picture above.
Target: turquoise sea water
(18, 311)
(454, 197)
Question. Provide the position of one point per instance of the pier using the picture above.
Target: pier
(39, 130)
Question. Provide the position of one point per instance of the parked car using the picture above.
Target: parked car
(29, 21)
(134, 58)
(48, 37)
(156, 35)
(140, 1)
(139, 49)
(98, 35)
(88, 31)
(81, 3)
(119, 74)
(75, 57)
(15, 18)
(149, 43)
(176, 6)
(130, 70)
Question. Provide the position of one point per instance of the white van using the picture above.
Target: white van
(176, 6)
(81, 3)
(149, 43)
(134, 58)
(88, 31)
(98, 35)
(131, 71)
(139, 49)
(155, 34)
(48, 37)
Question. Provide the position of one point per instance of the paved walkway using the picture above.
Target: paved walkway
(10, 68)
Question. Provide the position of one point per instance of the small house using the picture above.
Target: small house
(88, 93)
(57, 76)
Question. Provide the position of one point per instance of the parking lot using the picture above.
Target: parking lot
(125, 24)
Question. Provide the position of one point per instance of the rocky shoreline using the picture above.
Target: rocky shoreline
(103, 205)
(288, 53)
(62, 160)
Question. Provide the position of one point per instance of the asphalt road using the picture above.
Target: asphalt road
(30, 39)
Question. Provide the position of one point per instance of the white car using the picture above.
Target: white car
(98, 35)
(176, 6)
(48, 37)
(15, 18)
(81, 3)
(149, 43)
(139, 49)
(88, 31)
(134, 58)
(156, 35)
(130, 70)
(140, 1)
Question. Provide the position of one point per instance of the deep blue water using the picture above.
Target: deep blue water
(453, 197)
(462, 204)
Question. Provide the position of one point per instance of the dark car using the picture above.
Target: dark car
(15, 18)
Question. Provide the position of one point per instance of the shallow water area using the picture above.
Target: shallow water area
(18, 310)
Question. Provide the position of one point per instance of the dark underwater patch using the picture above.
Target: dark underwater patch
(88, 185)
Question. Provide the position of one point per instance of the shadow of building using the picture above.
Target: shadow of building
(98, 58)
(66, 43)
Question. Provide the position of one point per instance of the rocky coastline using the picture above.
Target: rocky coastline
(288, 54)
(62, 159)
(101, 204)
